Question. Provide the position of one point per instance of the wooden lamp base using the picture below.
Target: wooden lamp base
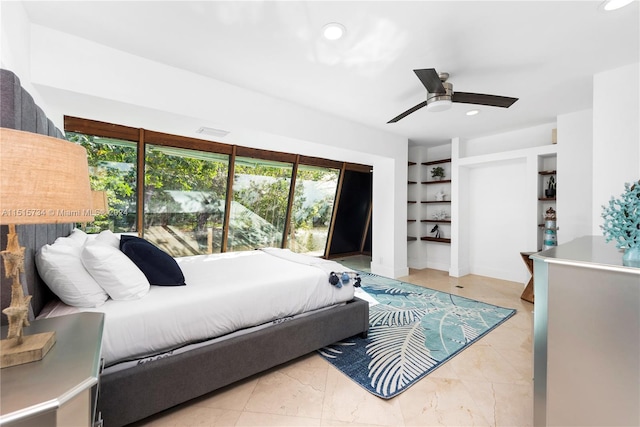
(33, 348)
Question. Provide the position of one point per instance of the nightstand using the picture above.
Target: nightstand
(61, 389)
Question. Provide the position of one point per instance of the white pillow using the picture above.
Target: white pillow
(77, 238)
(114, 271)
(108, 237)
(61, 268)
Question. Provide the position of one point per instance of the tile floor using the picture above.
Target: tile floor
(488, 384)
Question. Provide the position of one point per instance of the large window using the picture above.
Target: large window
(184, 199)
(192, 196)
(112, 168)
(259, 207)
(315, 192)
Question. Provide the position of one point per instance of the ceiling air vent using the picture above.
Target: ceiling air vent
(219, 133)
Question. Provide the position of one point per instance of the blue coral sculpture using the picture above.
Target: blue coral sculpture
(622, 218)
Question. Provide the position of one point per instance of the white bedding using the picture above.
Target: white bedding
(224, 293)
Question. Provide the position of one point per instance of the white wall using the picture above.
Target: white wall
(495, 209)
(459, 213)
(74, 76)
(616, 135)
(534, 136)
(498, 224)
(575, 172)
(14, 46)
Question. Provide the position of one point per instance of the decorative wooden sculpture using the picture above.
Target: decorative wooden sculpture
(18, 311)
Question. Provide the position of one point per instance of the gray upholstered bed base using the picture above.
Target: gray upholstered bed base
(132, 394)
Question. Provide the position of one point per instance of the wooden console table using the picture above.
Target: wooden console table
(527, 294)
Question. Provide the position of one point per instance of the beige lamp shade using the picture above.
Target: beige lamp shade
(43, 180)
(100, 204)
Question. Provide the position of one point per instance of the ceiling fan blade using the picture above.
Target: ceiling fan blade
(431, 80)
(409, 111)
(482, 99)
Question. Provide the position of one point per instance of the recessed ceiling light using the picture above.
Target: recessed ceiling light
(610, 5)
(333, 31)
(473, 112)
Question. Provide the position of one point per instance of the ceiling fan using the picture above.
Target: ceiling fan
(440, 95)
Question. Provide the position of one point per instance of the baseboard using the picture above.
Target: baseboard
(455, 271)
(511, 276)
(438, 266)
(385, 271)
(418, 264)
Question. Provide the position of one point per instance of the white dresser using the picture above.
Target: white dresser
(586, 336)
(60, 389)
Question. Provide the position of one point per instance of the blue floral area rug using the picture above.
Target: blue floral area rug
(412, 331)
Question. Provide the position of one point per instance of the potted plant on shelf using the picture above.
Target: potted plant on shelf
(437, 173)
(622, 223)
(550, 192)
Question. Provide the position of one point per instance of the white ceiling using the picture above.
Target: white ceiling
(543, 52)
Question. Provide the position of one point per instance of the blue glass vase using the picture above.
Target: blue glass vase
(631, 257)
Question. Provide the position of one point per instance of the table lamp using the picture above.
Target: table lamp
(100, 203)
(43, 180)
(100, 206)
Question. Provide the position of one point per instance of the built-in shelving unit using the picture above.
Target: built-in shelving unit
(432, 205)
(433, 208)
(546, 170)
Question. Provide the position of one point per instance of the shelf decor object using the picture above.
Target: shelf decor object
(550, 192)
(550, 229)
(43, 180)
(622, 223)
(437, 201)
(437, 173)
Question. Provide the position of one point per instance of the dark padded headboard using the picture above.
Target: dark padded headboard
(19, 111)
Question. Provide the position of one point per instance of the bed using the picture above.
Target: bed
(135, 386)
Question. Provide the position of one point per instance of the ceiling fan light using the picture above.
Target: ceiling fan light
(439, 105)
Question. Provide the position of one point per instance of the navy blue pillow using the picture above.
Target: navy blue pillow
(158, 266)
